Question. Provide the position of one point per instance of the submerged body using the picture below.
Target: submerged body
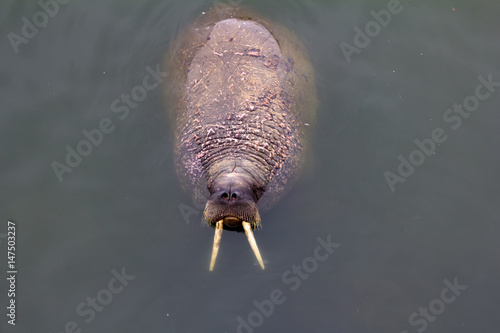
(245, 97)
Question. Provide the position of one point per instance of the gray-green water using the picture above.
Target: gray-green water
(398, 252)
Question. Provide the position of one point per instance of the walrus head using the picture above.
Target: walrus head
(233, 206)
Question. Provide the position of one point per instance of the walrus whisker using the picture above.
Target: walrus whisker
(215, 248)
(251, 239)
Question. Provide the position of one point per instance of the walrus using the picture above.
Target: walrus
(245, 102)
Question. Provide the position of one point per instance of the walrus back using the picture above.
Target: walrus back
(243, 90)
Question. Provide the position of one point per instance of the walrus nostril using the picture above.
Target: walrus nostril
(234, 196)
(224, 195)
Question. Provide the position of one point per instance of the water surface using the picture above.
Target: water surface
(119, 210)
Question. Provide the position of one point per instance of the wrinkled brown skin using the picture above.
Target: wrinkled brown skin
(245, 98)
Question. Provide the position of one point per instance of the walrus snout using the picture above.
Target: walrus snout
(233, 206)
(233, 200)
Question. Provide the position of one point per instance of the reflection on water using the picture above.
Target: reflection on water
(420, 255)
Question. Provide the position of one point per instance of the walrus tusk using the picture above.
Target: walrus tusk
(253, 243)
(215, 249)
